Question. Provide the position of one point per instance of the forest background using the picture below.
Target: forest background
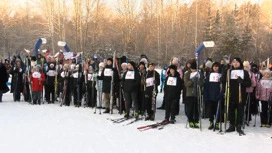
(160, 29)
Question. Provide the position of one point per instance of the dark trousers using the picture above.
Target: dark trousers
(240, 112)
(91, 97)
(265, 112)
(192, 109)
(50, 92)
(36, 95)
(148, 104)
(170, 108)
(129, 97)
(212, 109)
(1, 94)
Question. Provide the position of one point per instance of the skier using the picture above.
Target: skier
(77, 84)
(172, 92)
(4, 79)
(50, 83)
(212, 93)
(163, 76)
(106, 76)
(263, 91)
(122, 99)
(152, 81)
(99, 85)
(142, 89)
(131, 81)
(17, 80)
(250, 92)
(37, 79)
(192, 79)
(239, 81)
(91, 87)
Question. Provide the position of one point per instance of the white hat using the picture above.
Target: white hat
(51, 64)
(101, 64)
(246, 64)
(124, 64)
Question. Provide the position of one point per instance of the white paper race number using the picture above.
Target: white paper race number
(108, 72)
(36, 75)
(172, 81)
(90, 76)
(149, 82)
(237, 73)
(130, 75)
(215, 77)
(266, 84)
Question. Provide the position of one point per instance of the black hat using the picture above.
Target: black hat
(142, 63)
(174, 67)
(193, 65)
(132, 63)
(33, 58)
(151, 64)
(110, 59)
(238, 60)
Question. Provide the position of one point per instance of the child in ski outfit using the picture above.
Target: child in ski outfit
(172, 91)
(99, 85)
(212, 94)
(37, 80)
(264, 89)
(192, 79)
(250, 92)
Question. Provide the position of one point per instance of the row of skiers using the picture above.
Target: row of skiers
(137, 87)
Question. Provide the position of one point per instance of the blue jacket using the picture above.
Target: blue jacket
(211, 89)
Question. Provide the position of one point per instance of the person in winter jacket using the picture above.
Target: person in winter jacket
(142, 89)
(91, 87)
(106, 75)
(37, 80)
(263, 93)
(3, 80)
(122, 99)
(163, 76)
(239, 81)
(212, 93)
(193, 79)
(17, 80)
(131, 81)
(152, 82)
(250, 92)
(172, 92)
(77, 85)
(50, 83)
(66, 91)
(99, 85)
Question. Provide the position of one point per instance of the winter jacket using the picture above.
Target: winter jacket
(17, 79)
(50, 76)
(4, 78)
(172, 87)
(264, 88)
(149, 76)
(37, 80)
(253, 82)
(190, 81)
(131, 81)
(106, 77)
(212, 90)
(99, 84)
(234, 85)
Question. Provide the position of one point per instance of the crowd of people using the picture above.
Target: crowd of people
(227, 91)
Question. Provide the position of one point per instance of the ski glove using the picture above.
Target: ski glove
(240, 80)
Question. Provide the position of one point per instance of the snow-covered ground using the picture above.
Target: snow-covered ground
(49, 128)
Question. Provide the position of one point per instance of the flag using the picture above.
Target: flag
(66, 48)
(37, 46)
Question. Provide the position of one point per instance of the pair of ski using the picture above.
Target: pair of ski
(159, 125)
(123, 119)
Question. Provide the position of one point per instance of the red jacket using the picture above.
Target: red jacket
(37, 80)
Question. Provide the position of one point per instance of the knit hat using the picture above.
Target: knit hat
(142, 63)
(238, 60)
(193, 64)
(110, 59)
(101, 64)
(246, 64)
(174, 67)
(124, 64)
(267, 71)
(132, 64)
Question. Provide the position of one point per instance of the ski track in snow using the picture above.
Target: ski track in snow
(49, 128)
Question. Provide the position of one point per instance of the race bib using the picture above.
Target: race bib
(108, 72)
(172, 81)
(75, 75)
(36, 75)
(266, 84)
(99, 73)
(149, 82)
(237, 73)
(130, 75)
(64, 74)
(90, 76)
(51, 73)
(193, 74)
(215, 77)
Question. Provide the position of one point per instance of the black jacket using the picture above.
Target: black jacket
(157, 81)
(173, 92)
(131, 85)
(107, 79)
